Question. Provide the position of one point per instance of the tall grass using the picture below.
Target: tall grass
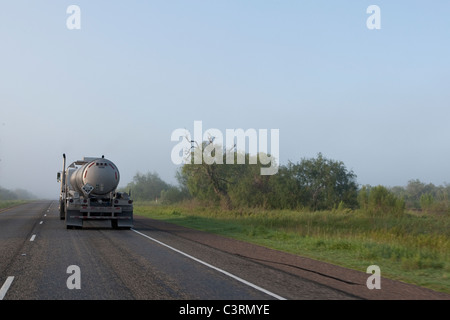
(412, 247)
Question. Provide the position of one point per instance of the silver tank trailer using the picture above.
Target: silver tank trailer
(97, 177)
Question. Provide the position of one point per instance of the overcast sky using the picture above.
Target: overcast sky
(376, 99)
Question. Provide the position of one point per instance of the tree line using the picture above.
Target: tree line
(316, 183)
(17, 194)
(424, 196)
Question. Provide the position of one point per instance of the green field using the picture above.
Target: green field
(413, 248)
(11, 203)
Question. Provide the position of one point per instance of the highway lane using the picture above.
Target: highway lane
(113, 264)
(16, 227)
(159, 261)
(37, 250)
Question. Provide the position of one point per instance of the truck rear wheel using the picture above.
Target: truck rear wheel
(62, 211)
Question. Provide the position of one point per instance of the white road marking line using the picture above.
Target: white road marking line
(32, 237)
(5, 287)
(213, 267)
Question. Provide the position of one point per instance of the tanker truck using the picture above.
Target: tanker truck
(88, 192)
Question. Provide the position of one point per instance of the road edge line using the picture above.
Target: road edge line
(5, 287)
(212, 267)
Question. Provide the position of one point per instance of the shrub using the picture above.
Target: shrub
(426, 201)
(174, 195)
(380, 201)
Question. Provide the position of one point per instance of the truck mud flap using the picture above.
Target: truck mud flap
(73, 219)
(124, 223)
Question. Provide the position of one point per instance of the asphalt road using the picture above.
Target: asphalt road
(42, 260)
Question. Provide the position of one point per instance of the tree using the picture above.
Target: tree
(208, 181)
(147, 186)
(6, 194)
(17, 194)
(174, 194)
(316, 184)
(249, 188)
(414, 191)
(324, 183)
(426, 201)
(217, 181)
(380, 201)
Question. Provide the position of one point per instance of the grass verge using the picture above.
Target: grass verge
(11, 203)
(413, 248)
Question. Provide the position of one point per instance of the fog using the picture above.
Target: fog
(118, 78)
